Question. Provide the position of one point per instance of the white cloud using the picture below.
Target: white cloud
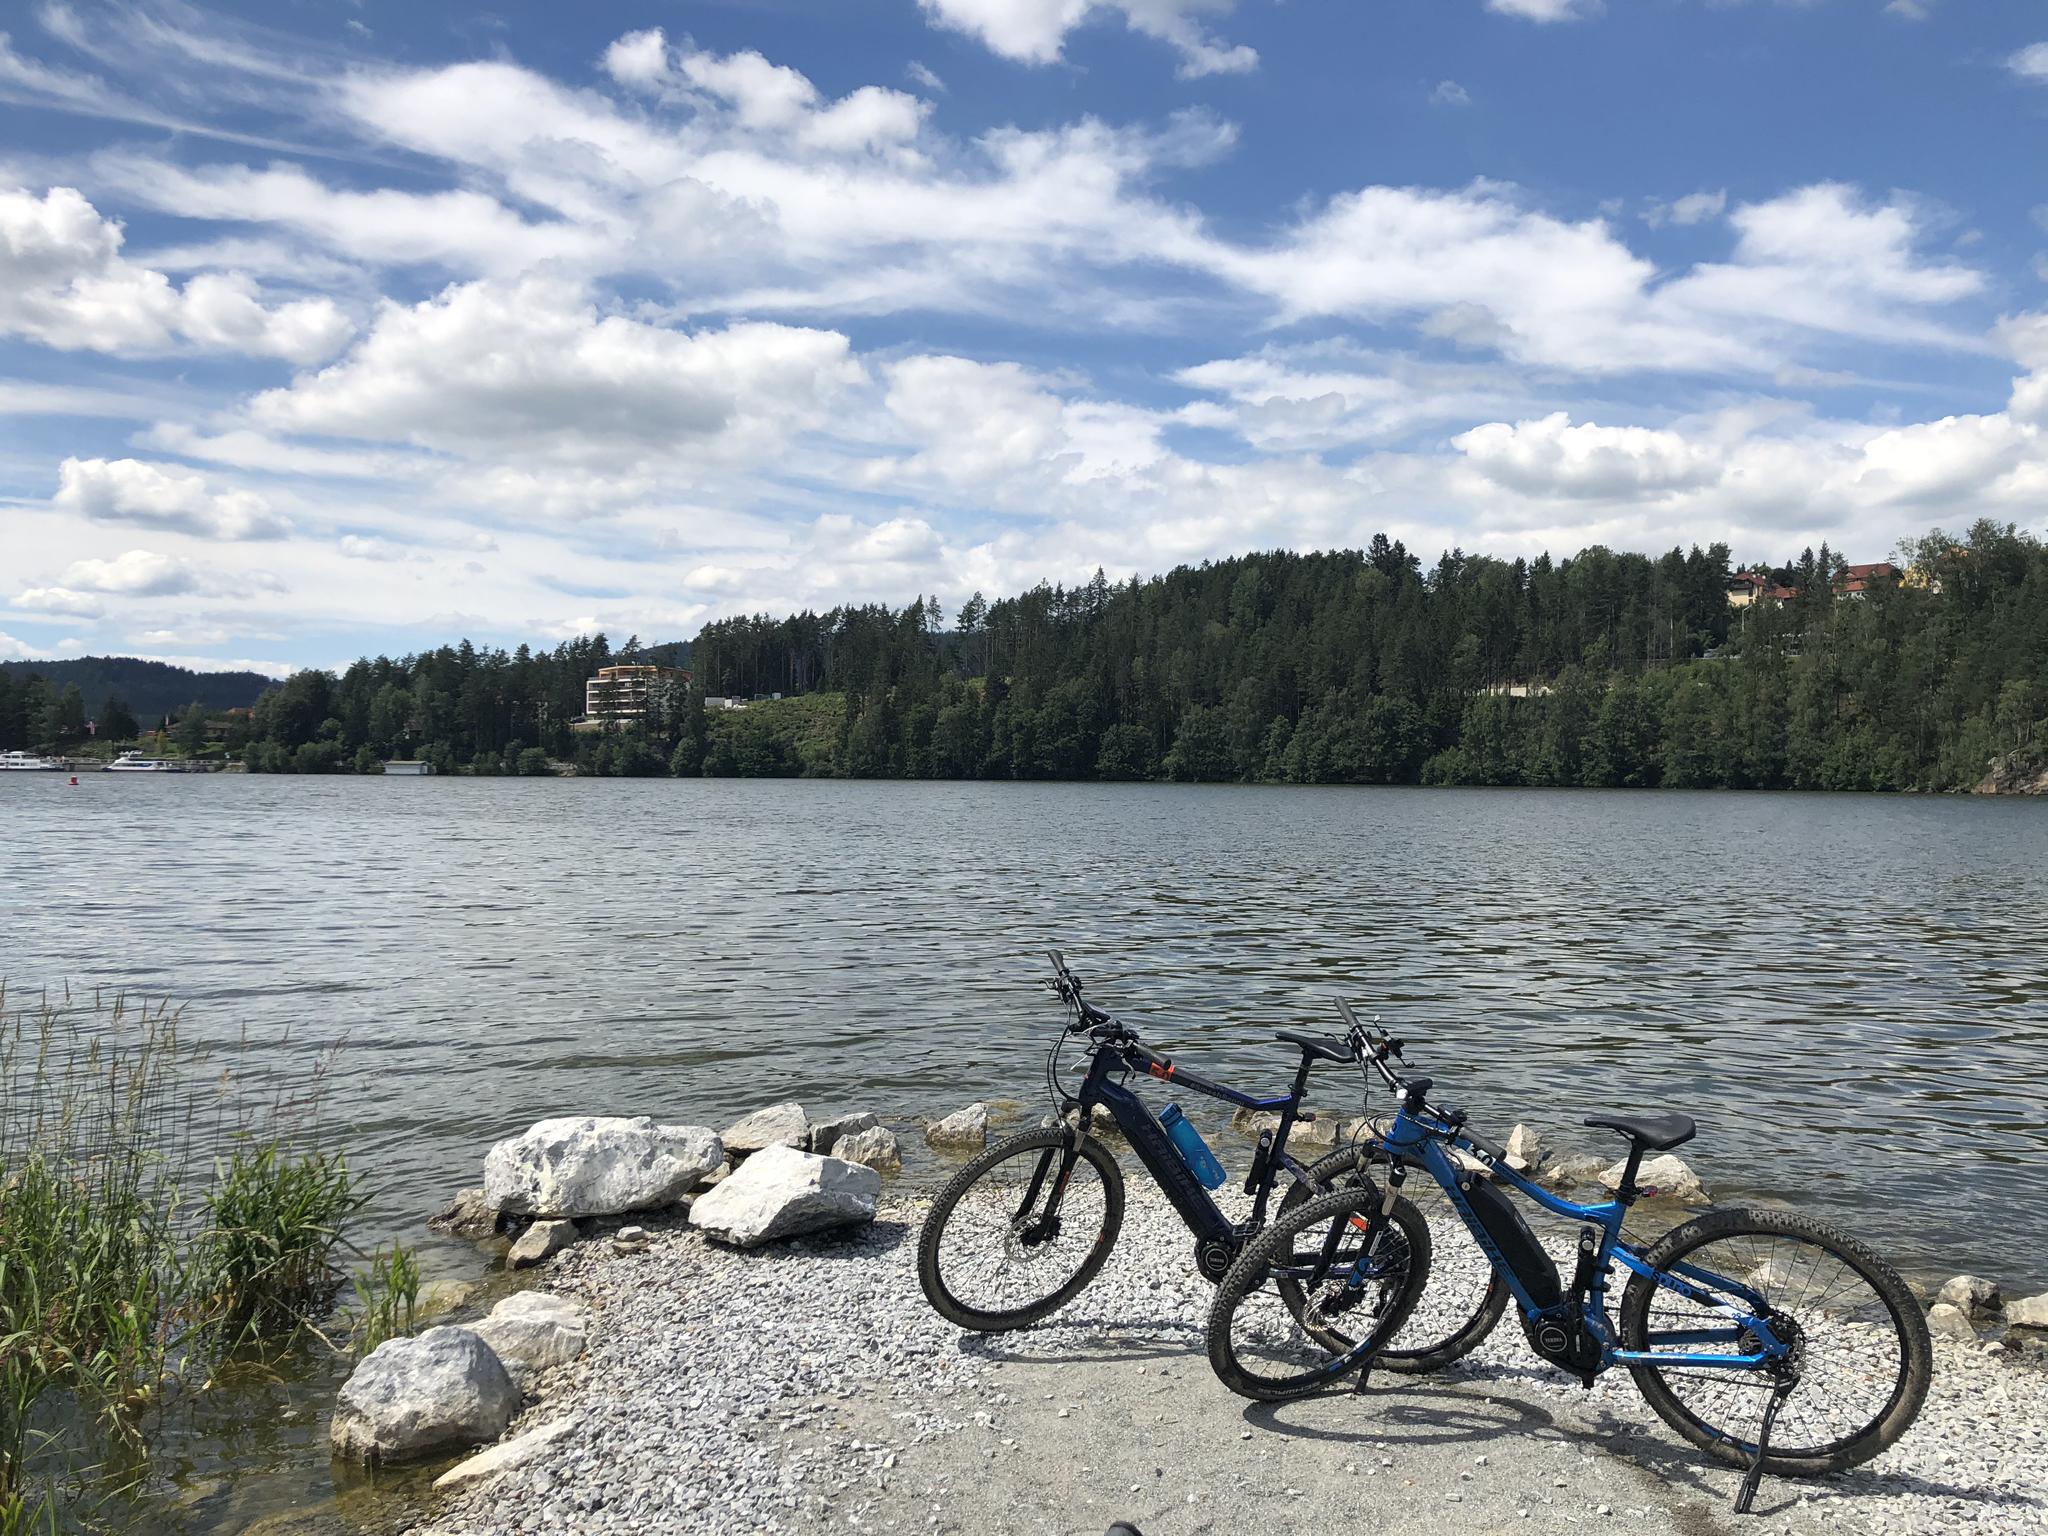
(1035, 31)
(64, 283)
(532, 371)
(1693, 208)
(12, 649)
(1449, 93)
(922, 74)
(1546, 10)
(2031, 62)
(1551, 457)
(164, 496)
(138, 573)
(58, 600)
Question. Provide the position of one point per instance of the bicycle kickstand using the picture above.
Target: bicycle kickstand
(1746, 1495)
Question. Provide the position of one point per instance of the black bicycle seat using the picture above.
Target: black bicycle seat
(1656, 1133)
(1328, 1047)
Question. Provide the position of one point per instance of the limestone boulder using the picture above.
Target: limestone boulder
(2028, 1312)
(1526, 1150)
(876, 1147)
(504, 1456)
(1949, 1322)
(779, 1125)
(412, 1397)
(781, 1192)
(598, 1165)
(470, 1214)
(1972, 1296)
(825, 1133)
(533, 1330)
(966, 1128)
(1669, 1176)
(539, 1243)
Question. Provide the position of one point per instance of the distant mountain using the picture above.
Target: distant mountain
(152, 688)
(672, 653)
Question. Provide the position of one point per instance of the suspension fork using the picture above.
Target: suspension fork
(1069, 1154)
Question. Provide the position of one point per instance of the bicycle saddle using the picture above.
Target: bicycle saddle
(1326, 1046)
(1657, 1133)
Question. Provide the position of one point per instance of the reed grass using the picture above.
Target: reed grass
(158, 1217)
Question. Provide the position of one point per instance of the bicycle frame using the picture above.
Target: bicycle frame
(1148, 1139)
(1419, 1139)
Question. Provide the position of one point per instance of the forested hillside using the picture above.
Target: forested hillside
(1344, 667)
(152, 689)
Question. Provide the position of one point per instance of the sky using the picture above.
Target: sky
(333, 327)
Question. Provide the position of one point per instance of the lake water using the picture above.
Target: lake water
(1850, 994)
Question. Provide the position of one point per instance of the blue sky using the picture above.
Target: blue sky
(330, 327)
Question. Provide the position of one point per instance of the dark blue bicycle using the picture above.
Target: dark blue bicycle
(1771, 1340)
(1024, 1227)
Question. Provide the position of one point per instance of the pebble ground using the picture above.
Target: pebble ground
(807, 1387)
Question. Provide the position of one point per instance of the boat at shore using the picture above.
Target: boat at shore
(135, 762)
(27, 762)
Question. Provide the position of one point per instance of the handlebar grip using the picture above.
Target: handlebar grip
(1498, 1154)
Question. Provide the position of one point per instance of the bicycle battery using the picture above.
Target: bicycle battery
(1518, 1246)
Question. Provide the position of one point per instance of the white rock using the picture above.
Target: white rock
(1666, 1174)
(1950, 1322)
(540, 1242)
(506, 1455)
(964, 1128)
(1573, 1169)
(598, 1165)
(533, 1330)
(779, 1125)
(411, 1397)
(780, 1191)
(1526, 1149)
(824, 1133)
(874, 1147)
(2028, 1312)
(1971, 1296)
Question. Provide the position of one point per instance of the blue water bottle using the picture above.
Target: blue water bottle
(1194, 1151)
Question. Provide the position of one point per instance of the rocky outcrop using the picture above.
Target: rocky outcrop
(824, 1133)
(598, 1165)
(1572, 1170)
(534, 1330)
(539, 1243)
(1669, 1176)
(1972, 1296)
(875, 1147)
(779, 1192)
(412, 1397)
(2015, 773)
(779, 1125)
(964, 1128)
(503, 1457)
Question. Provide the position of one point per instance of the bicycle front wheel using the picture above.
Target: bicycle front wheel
(1464, 1299)
(1020, 1230)
(1357, 1276)
(1860, 1348)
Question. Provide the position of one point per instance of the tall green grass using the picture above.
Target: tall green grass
(157, 1221)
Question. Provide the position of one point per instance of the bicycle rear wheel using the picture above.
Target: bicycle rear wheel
(1020, 1230)
(1861, 1350)
(1357, 1275)
(1464, 1298)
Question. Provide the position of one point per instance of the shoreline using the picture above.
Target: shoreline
(806, 1385)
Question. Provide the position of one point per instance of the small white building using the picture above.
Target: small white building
(408, 767)
(721, 701)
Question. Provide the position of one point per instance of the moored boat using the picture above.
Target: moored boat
(27, 762)
(135, 762)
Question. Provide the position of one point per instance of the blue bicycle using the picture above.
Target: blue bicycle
(1773, 1341)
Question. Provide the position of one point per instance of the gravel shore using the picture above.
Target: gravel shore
(807, 1387)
